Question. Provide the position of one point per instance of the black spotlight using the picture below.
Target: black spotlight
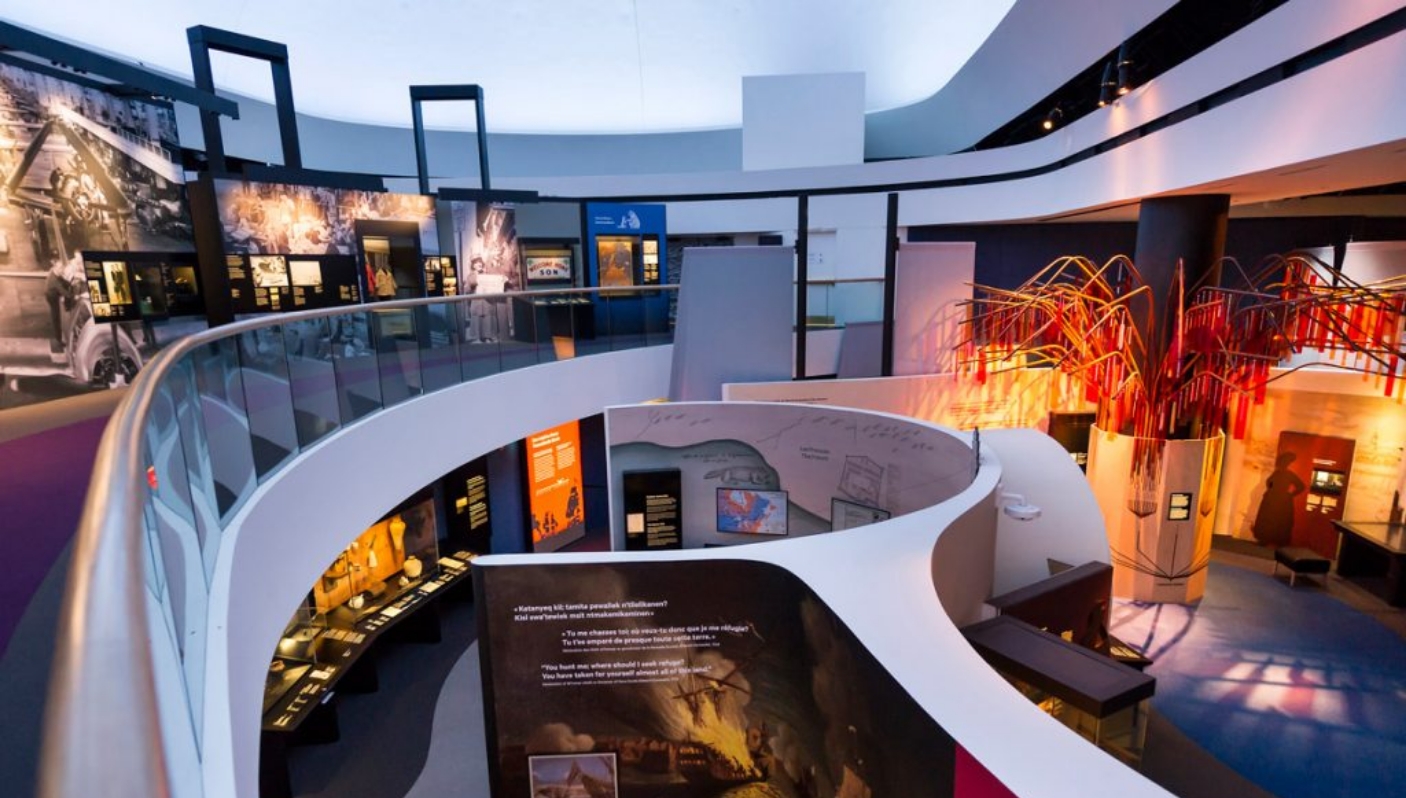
(1125, 71)
(1107, 88)
(1052, 119)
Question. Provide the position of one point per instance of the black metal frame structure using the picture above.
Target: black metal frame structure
(419, 95)
(203, 40)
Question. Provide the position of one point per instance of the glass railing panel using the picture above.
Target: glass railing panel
(312, 376)
(439, 346)
(658, 323)
(184, 597)
(545, 321)
(518, 347)
(627, 314)
(268, 398)
(167, 474)
(478, 357)
(840, 302)
(220, 385)
(397, 354)
(355, 365)
(591, 324)
(199, 478)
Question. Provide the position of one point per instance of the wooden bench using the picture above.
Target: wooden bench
(1300, 561)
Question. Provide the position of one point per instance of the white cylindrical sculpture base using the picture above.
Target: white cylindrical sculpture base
(1159, 524)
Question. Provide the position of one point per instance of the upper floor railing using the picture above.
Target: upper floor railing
(210, 419)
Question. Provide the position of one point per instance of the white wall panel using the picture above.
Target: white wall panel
(300, 518)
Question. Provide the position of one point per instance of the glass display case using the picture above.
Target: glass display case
(1103, 700)
(295, 656)
(393, 556)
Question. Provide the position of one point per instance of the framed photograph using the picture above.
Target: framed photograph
(752, 512)
(592, 775)
(1179, 507)
(269, 271)
(615, 260)
(119, 289)
(848, 515)
(305, 273)
(548, 268)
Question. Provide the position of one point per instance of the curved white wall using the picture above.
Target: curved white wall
(1272, 128)
(298, 520)
(904, 586)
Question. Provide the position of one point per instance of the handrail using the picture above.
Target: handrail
(103, 731)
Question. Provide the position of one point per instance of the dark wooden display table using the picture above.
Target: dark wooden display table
(1088, 680)
(298, 707)
(1372, 554)
(1095, 695)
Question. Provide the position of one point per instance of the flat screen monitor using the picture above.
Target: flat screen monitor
(547, 265)
(848, 515)
(1328, 481)
(752, 512)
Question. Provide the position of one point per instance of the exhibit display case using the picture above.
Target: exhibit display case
(548, 263)
(391, 557)
(378, 582)
(1102, 700)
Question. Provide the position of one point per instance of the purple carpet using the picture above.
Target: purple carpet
(43, 479)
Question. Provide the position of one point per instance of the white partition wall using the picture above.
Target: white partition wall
(815, 456)
(734, 319)
(301, 517)
(802, 120)
(930, 280)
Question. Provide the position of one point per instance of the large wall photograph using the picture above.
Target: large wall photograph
(691, 679)
(273, 218)
(80, 170)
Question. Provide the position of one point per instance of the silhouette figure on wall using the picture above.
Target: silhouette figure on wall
(1274, 521)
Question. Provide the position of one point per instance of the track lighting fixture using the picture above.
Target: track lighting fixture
(1107, 88)
(1125, 71)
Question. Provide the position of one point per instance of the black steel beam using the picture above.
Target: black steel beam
(465, 92)
(890, 275)
(203, 40)
(802, 278)
(489, 195)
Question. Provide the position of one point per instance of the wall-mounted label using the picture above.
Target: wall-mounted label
(653, 512)
(555, 488)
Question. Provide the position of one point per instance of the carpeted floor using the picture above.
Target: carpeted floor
(387, 735)
(1291, 687)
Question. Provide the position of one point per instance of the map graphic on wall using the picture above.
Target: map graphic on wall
(80, 170)
(752, 512)
(715, 468)
(699, 679)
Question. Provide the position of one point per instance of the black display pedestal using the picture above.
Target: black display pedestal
(537, 320)
(1373, 557)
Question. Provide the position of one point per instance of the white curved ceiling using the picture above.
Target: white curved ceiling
(547, 66)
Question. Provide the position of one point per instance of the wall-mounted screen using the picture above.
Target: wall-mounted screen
(752, 512)
(306, 273)
(848, 515)
(1328, 481)
(269, 271)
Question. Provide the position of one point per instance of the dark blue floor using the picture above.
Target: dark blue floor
(1295, 690)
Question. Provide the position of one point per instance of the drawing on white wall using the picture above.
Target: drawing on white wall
(750, 475)
(862, 479)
